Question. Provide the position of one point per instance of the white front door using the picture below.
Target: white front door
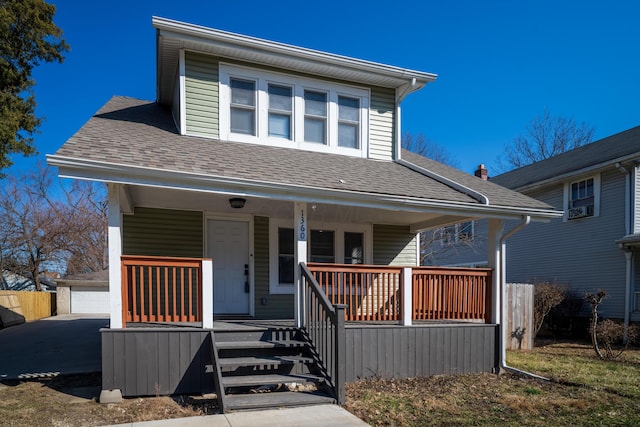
(228, 246)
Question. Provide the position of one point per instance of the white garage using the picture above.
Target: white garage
(82, 297)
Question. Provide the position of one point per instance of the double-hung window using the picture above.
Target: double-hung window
(243, 106)
(280, 111)
(266, 107)
(315, 117)
(348, 122)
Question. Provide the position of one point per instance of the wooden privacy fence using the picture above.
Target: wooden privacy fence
(441, 293)
(33, 305)
(160, 289)
(369, 292)
(519, 316)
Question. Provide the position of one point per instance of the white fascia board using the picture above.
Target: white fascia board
(160, 178)
(186, 31)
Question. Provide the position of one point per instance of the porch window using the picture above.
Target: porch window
(327, 243)
(285, 256)
(277, 109)
(243, 106)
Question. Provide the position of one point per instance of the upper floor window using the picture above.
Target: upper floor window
(289, 111)
(582, 198)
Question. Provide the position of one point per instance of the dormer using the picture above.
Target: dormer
(237, 88)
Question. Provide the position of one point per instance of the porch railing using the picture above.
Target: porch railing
(441, 293)
(369, 292)
(377, 293)
(161, 289)
(324, 324)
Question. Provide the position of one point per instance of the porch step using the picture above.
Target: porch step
(277, 400)
(272, 379)
(229, 362)
(237, 345)
(249, 358)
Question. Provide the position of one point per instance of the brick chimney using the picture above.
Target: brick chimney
(482, 172)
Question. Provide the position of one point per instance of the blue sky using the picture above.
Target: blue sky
(499, 63)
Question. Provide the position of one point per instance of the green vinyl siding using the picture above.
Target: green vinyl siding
(277, 306)
(381, 124)
(162, 232)
(201, 95)
(394, 245)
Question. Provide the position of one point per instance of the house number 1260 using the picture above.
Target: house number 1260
(302, 229)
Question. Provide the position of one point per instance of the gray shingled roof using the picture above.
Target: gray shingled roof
(614, 147)
(139, 133)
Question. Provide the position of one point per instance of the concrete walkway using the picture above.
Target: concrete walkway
(59, 345)
(307, 416)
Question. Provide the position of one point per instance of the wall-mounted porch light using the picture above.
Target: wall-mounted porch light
(237, 202)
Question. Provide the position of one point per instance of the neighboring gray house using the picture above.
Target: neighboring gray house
(10, 281)
(266, 189)
(595, 245)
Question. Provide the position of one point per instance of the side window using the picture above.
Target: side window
(354, 248)
(581, 199)
(322, 246)
(285, 256)
(348, 122)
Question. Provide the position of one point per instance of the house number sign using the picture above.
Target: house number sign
(302, 228)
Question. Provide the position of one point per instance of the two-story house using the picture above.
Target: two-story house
(594, 245)
(265, 193)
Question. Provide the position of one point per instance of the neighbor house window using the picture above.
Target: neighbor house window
(243, 106)
(348, 122)
(266, 107)
(280, 110)
(582, 198)
(461, 232)
(315, 117)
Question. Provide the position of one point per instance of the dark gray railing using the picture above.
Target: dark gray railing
(323, 323)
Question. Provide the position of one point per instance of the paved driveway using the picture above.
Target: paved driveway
(60, 345)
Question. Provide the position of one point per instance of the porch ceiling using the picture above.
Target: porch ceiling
(218, 204)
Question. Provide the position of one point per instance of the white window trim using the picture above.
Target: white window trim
(339, 229)
(299, 85)
(596, 197)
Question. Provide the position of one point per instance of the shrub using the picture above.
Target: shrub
(546, 295)
(609, 339)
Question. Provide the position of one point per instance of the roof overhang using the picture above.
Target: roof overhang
(180, 180)
(173, 36)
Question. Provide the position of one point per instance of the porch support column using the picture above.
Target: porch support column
(494, 256)
(114, 220)
(407, 296)
(207, 293)
(301, 230)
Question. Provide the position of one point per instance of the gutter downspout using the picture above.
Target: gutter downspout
(628, 254)
(526, 220)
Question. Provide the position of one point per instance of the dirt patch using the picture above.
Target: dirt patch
(72, 401)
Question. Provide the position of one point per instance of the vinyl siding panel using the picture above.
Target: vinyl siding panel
(393, 245)
(277, 306)
(580, 253)
(163, 232)
(635, 289)
(381, 124)
(201, 92)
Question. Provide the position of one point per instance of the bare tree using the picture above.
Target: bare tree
(546, 136)
(49, 226)
(420, 144)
